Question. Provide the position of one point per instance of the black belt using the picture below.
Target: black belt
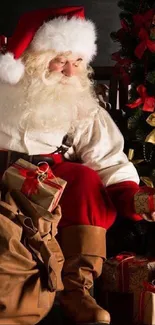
(7, 158)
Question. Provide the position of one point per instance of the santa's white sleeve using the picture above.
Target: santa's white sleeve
(100, 147)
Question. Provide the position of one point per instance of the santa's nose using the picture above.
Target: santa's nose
(68, 69)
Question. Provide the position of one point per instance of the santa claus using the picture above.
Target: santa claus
(48, 103)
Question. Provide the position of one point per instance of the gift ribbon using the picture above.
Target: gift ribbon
(124, 259)
(145, 43)
(147, 101)
(34, 177)
(122, 65)
(123, 266)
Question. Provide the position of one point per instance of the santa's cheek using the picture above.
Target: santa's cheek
(54, 67)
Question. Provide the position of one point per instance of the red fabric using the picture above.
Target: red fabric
(30, 22)
(86, 201)
(122, 195)
(145, 43)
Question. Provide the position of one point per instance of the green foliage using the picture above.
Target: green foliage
(151, 77)
(142, 69)
(135, 6)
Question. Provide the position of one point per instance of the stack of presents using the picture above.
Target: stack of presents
(127, 286)
(127, 290)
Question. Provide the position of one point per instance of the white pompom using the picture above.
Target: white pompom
(11, 70)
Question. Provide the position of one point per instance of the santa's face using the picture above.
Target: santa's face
(65, 69)
(67, 64)
(54, 95)
(59, 91)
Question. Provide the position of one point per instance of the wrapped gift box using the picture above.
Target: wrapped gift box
(144, 201)
(126, 273)
(38, 183)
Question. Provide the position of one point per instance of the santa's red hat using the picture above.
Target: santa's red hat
(63, 29)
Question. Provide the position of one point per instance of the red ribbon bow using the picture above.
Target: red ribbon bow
(145, 43)
(122, 66)
(147, 101)
(143, 20)
(124, 256)
(125, 62)
(33, 177)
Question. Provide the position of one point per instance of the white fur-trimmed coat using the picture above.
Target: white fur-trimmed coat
(98, 144)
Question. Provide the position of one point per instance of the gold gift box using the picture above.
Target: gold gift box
(48, 191)
(142, 202)
(126, 273)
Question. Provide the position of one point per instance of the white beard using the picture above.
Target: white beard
(56, 104)
(41, 109)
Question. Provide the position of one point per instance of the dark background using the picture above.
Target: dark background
(104, 13)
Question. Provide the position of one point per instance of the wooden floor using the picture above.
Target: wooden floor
(119, 311)
(56, 317)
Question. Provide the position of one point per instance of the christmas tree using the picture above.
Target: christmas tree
(136, 61)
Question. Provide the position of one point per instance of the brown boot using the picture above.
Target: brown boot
(84, 250)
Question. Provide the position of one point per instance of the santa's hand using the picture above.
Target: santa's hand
(149, 217)
(153, 216)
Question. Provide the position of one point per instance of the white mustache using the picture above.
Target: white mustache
(51, 80)
(59, 78)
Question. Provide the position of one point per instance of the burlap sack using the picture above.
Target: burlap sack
(30, 262)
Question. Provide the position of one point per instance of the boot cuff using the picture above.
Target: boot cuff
(85, 240)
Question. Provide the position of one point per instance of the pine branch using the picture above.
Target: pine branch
(141, 72)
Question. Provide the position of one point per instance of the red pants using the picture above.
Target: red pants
(86, 201)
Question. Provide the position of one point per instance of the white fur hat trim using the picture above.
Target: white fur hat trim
(62, 35)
